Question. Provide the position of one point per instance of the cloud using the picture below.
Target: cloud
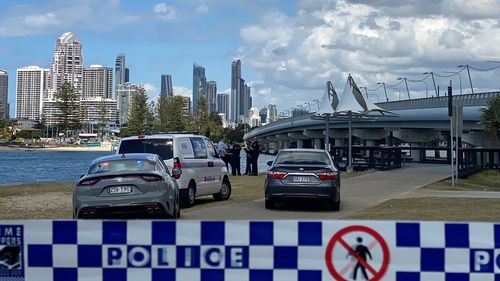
(202, 9)
(60, 16)
(294, 54)
(151, 91)
(165, 12)
(183, 91)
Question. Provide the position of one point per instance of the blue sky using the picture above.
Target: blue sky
(289, 49)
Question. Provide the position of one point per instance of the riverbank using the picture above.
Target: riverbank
(56, 148)
(53, 201)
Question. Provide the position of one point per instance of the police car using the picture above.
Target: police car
(203, 171)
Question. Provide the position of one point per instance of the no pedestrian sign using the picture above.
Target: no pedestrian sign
(357, 253)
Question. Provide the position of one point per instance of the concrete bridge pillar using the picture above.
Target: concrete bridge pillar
(317, 143)
(300, 144)
(339, 142)
(286, 144)
(415, 154)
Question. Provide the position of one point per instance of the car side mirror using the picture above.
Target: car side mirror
(176, 173)
(269, 163)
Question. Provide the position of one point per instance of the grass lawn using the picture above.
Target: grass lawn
(442, 208)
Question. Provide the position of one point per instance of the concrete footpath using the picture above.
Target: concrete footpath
(357, 193)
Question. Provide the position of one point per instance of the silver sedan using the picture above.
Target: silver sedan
(302, 173)
(137, 184)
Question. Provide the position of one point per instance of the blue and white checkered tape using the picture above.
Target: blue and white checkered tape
(257, 250)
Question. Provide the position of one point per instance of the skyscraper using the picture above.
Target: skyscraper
(199, 84)
(223, 105)
(67, 65)
(212, 97)
(97, 82)
(166, 86)
(4, 87)
(120, 70)
(272, 113)
(30, 87)
(234, 112)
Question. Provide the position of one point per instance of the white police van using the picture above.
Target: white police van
(203, 172)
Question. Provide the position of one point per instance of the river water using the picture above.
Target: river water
(62, 166)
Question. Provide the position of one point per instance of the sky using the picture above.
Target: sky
(288, 49)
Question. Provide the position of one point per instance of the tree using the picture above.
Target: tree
(491, 116)
(170, 114)
(67, 103)
(138, 114)
(201, 114)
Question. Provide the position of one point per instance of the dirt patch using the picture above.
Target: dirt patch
(47, 205)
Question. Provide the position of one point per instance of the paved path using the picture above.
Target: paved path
(357, 193)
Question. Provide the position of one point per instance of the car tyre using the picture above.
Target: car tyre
(225, 191)
(269, 204)
(190, 198)
(334, 205)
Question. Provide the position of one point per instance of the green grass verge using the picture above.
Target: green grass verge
(432, 208)
(488, 180)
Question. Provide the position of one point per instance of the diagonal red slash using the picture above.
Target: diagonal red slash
(351, 264)
(356, 256)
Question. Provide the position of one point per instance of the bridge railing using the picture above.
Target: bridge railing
(478, 99)
(470, 160)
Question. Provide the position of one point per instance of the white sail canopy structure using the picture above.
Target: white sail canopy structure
(329, 102)
(353, 101)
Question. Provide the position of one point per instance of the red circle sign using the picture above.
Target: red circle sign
(337, 238)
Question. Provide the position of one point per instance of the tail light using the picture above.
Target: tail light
(327, 176)
(275, 175)
(151, 178)
(177, 165)
(88, 182)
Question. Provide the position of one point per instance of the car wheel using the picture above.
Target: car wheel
(269, 204)
(178, 210)
(334, 205)
(225, 191)
(191, 195)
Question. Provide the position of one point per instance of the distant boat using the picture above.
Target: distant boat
(93, 144)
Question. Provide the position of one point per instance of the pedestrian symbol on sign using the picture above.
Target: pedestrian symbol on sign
(369, 254)
(360, 253)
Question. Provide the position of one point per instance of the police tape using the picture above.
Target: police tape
(248, 250)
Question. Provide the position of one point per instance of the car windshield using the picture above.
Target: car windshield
(160, 147)
(302, 158)
(131, 165)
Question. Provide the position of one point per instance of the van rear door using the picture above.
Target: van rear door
(162, 147)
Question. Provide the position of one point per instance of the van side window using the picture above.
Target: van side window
(210, 148)
(200, 151)
(186, 148)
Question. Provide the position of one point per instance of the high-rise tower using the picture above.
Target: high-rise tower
(234, 111)
(67, 65)
(30, 87)
(97, 82)
(4, 86)
(166, 86)
(199, 84)
(212, 96)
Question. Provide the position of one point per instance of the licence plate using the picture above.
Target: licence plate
(300, 179)
(120, 189)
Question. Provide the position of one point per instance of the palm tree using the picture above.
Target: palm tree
(491, 116)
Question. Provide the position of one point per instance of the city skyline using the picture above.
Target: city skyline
(289, 48)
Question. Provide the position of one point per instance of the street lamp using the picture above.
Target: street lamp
(366, 91)
(468, 72)
(459, 78)
(317, 102)
(385, 90)
(406, 83)
(425, 83)
(433, 82)
(308, 104)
